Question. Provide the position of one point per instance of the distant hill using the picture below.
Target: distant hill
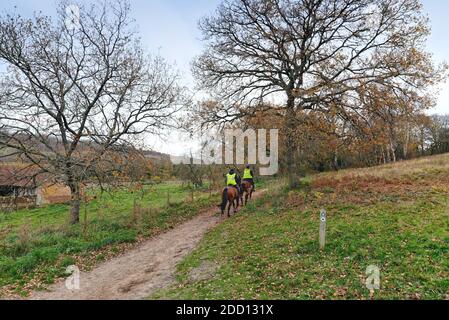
(156, 156)
(56, 145)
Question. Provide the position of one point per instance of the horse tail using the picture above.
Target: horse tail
(224, 199)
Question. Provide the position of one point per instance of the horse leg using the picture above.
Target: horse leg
(224, 201)
(236, 206)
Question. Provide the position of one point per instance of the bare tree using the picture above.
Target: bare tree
(437, 132)
(309, 54)
(77, 91)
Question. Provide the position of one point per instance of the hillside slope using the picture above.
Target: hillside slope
(395, 217)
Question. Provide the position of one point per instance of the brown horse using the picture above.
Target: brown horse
(248, 190)
(231, 196)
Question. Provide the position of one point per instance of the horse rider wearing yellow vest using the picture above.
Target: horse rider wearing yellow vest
(248, 175)
(233, 180)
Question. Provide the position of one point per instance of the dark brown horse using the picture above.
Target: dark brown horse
(231, 197)
(248, 190)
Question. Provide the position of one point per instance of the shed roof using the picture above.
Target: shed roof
(17, 176)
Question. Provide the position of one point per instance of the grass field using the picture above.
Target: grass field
(395, 217)
(37, 245)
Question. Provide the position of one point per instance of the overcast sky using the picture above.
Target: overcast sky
(170, 28)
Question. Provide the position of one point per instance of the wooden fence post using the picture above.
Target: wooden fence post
(85, 218)
(323, 221)
(134, 212)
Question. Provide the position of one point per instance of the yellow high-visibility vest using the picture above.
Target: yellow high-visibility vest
(247, 174)
(231, 179)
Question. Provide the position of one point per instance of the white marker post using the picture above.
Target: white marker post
(323, 220)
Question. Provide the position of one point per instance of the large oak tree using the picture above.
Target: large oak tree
(309, 55)
(76, 91)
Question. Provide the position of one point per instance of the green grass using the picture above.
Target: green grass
(271, 250)
(110, 205)
(37, 245)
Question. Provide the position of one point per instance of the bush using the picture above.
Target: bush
(157, 179)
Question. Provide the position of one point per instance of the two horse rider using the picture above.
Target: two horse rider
(234, 180)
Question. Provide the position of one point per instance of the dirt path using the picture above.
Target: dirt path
(141, 271)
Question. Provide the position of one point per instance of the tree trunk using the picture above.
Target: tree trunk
(422, 142)
(388, 150)
(75, 203)
(393, 152)
(384, 157)
(407, 141)
(335, 161)
(290, 141)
